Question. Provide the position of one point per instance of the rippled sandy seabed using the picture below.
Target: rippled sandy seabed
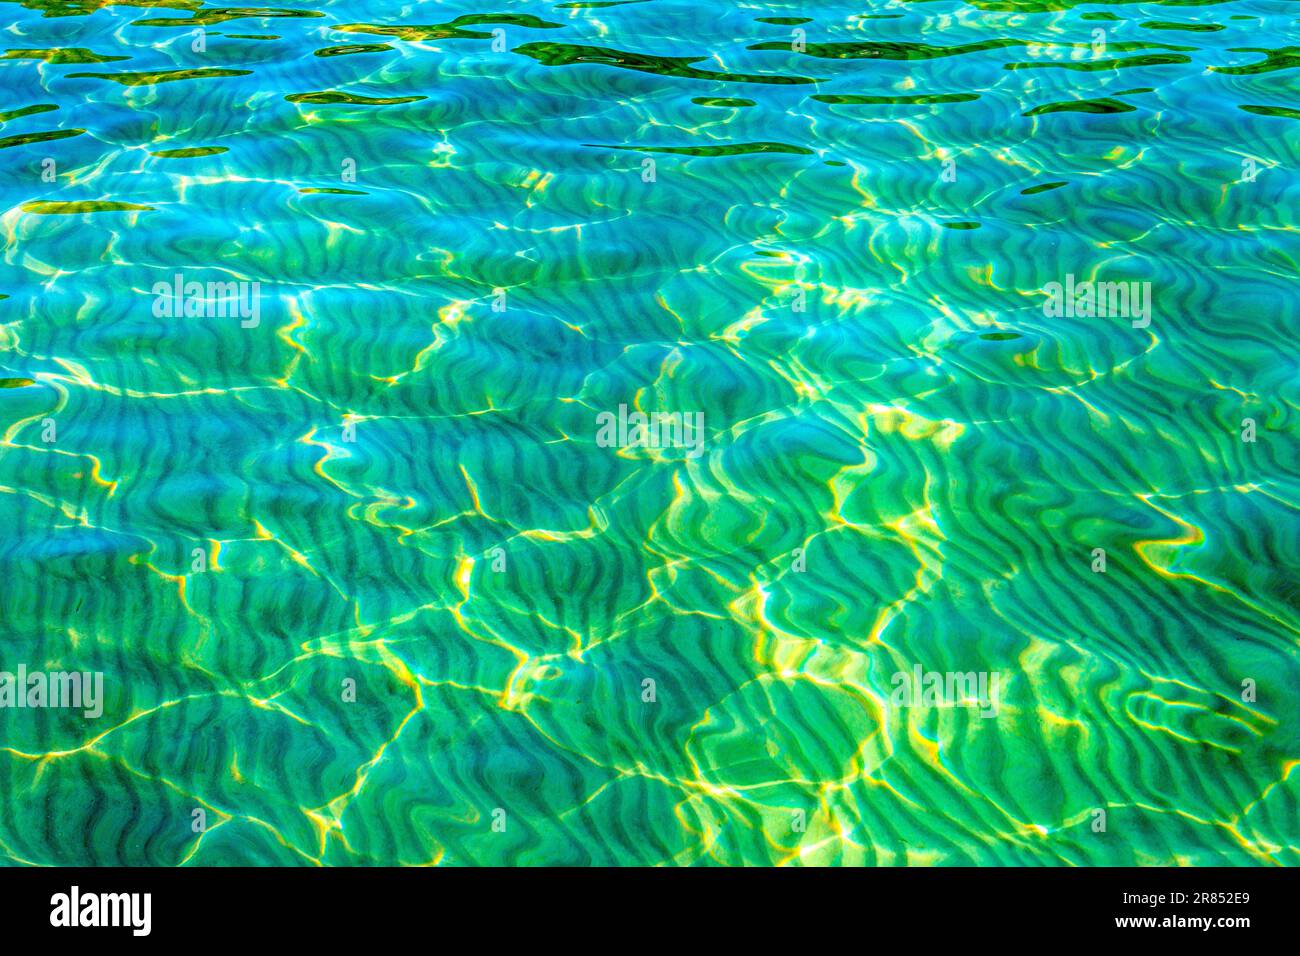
(840, 256)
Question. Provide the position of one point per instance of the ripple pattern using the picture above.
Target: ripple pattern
(309, 317)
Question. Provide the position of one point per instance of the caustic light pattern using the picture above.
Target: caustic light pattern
(649, 432)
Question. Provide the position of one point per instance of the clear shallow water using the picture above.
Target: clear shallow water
(935, 454)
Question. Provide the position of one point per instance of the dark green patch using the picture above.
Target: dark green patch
(1187, 27)
(69, 54)
(43, 207)
(326, 97)
(1281, 112)
(1285, 58)
(721, 149)
(189, 152)
(905, 99)
(1103, 105)
(161, 76)
(449, 31)
(890, 50)
(729, 101)
(347, 49)
(571, 54)
(213, 15)
(25, 138)
(1094, 66)
(585, 4)
(27, 111)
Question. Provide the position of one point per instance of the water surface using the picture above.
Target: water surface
(829, 228)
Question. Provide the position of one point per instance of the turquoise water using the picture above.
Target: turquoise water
(366, 579)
